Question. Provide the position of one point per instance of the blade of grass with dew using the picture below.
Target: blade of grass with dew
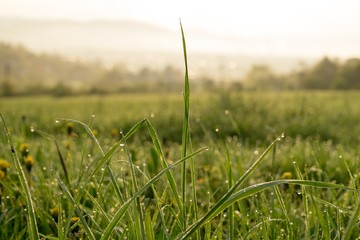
(169, 176)
(283, 208)
(139, 221)
(61, 234)
(352, 222)
(193, 184)
(32, 224)
(118, 215)
(253, 189)
(305, 202)
(230, 184)
(239, 182)
(185, 130)
(257, 226)
(74, 204)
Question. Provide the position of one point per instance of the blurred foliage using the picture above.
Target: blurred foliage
(26, 73)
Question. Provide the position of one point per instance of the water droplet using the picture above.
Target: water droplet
(122, 144)
(93, 115)
(340, 156)
(44, 168)
(152, 115)
(32, 129)
(57, 121)
(89, 155)
(216, 130)
(256, 152)
(227, 112)
(102, 169)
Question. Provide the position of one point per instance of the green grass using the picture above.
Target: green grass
(145, 167)
(102, 193)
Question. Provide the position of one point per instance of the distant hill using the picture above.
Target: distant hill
(139, 44)
(24, 68)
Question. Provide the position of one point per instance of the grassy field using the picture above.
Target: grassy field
(259, 165)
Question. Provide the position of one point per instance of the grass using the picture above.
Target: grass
(225, 171)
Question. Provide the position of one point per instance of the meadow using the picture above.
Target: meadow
(248, 165)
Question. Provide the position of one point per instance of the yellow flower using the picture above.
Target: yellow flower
(24, 149)
(54, 212)
(73, 221)
(4, 165)
(115, 132)
(95, 132)
(29, 162)
(286, 175)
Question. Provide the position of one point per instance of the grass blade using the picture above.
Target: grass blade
(32, 225)
(185, 130)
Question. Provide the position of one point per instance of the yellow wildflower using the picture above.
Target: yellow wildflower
(29, 162)
(54, 212)
(286, 175)
(74, 221)
(4, 164)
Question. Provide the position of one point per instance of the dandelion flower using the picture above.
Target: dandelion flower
(286, 175)
(29, 162)
(4, 164)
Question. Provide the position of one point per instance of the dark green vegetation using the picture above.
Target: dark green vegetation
(88, 181)
(25, 73)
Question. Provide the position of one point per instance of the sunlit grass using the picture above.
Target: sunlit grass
(146, 168)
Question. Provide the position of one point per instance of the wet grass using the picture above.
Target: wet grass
(239, 165)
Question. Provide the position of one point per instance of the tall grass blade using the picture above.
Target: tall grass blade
(185, 130)
(31, 217)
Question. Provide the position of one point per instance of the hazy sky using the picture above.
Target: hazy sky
(332, 25)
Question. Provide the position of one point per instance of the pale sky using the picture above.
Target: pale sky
(333, 25)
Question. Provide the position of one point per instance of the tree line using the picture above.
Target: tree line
(25, 73)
